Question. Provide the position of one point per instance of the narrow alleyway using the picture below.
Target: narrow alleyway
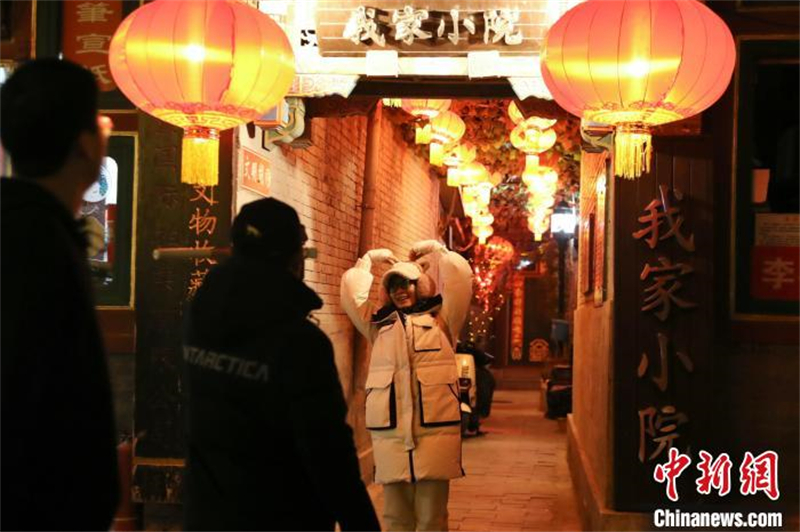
(517, 476)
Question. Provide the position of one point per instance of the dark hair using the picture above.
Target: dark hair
(45, 105)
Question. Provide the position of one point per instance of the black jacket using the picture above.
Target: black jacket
(268, 447)
(58, 465)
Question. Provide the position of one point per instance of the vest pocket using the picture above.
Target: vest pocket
(381, 406)
(427, 337)
(438, 398)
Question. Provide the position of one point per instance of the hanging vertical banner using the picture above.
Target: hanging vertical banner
(517, 322)
(88, 28)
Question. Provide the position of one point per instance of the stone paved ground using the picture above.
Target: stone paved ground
(517, 475)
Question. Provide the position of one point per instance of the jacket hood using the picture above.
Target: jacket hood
(244, 298)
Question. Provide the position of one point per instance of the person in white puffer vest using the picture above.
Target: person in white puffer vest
(412, 407)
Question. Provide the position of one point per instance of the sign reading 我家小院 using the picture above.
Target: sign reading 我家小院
(440, 27)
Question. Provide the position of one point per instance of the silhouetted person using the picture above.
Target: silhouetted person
(58, 460)
(268, 447)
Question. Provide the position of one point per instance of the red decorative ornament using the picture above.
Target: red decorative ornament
(636, 64)
(204, 66)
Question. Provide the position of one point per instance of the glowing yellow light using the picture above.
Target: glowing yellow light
(483, 232)
(540, 178)
(195, 52)
(460, 154)
(532, 140)
(472, 173)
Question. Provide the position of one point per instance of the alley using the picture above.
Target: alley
(517, 476)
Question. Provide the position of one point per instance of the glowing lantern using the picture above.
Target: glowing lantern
(472, 174)
(425, 108)
(483, 232)
(499, 251)
(481, 192)
(539, 202)
(453, 177)
(537, 122)
(538, 225)
(635, 65)
(540, 178)
(461, 154)
(532, 140)
(422, 134)
(482, 218)
(446, 128)
(204, 66)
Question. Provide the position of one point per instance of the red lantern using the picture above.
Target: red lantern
(204, 66)
(635, 64)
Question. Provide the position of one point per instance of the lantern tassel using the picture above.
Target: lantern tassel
(633, 149)
(200, 162)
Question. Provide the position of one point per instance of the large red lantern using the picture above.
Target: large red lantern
(204, 66)
(636, 64)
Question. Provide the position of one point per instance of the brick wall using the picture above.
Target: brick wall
(325, 184)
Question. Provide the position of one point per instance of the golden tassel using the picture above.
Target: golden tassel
(633, 150)
(200, 161)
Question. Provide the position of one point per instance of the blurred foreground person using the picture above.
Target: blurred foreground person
(58, 465)
(268, 447)
(412, 405)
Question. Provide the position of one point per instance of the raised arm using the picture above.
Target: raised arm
(455, 283)
(355, 287)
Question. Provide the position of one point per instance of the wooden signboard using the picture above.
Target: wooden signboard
(170, 214)
(438, 27)
(663, 283)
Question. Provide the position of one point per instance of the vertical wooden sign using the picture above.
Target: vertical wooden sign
(170, 214)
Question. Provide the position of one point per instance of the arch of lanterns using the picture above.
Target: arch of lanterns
(508, 167)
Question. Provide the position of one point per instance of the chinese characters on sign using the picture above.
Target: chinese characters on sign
(256, 173)
(756, 474)
(660, 426)
(775, 266)
(88, 28)
(407, 25)
(517, 323)
(202, 224)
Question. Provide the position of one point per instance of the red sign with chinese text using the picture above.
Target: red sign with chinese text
(256, 173)
(88, 28)
(775, 273)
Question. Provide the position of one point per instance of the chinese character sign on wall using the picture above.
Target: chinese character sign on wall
(256, 172)
(88, 28)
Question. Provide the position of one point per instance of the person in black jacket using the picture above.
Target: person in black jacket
(268, 447)
(58, 468)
